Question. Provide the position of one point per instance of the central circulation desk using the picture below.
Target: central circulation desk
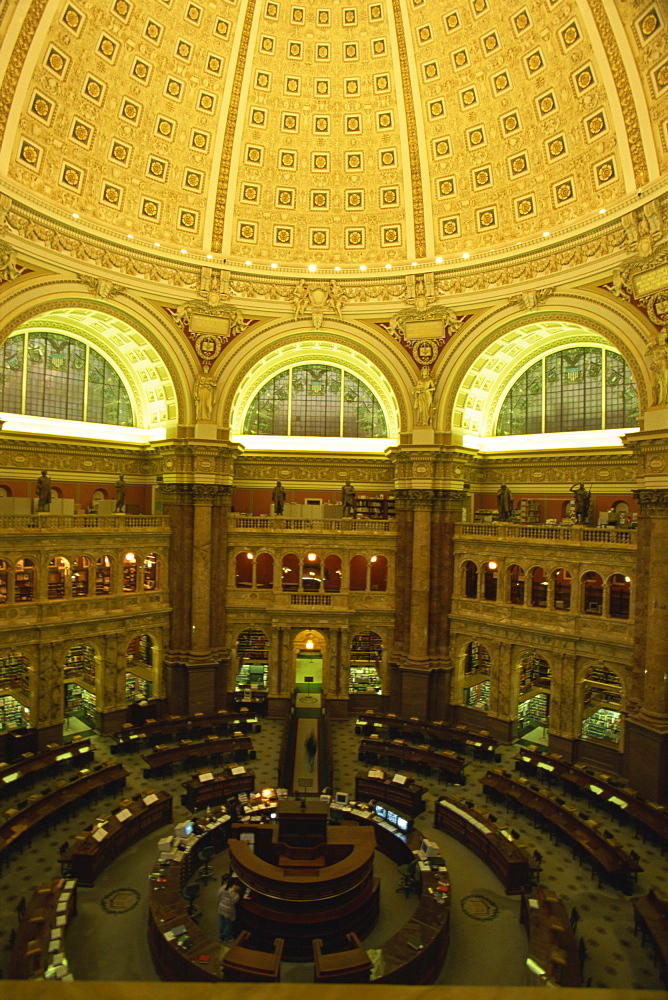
(206, 789)
(490, 842)
(93, 851)
(446, 762)
(608, 857)
(306, 878)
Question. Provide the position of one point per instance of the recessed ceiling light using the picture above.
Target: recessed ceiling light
(184, 251)
(414, 264)
(312, 267)
(388, 267)
(439, 260)
(337, 268)
(546, 233)
(130, 236)
(519, 243)
(601, 211)
(248, 263)
(362, 267)
(156, 244)
(274, 265)
(466, 256)
(209, 256)
(74, 215)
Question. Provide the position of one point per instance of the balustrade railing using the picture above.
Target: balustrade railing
(312, 524)
(576, 534)
(79, 522)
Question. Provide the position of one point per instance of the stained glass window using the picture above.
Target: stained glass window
(575, 389)
(53, 375)
(316, 401)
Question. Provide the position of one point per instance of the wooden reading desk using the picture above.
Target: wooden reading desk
(45, 808)
(162, 757)
(650, 916)
(553, 946)
(39, 935)
(32, 767)
(243, 964)
(94, 850)
(206, 788)
(491, 842)
(446, 762)
(608, 857)
(130, 737)
(600, 789)
(439, 734)
(407, 796)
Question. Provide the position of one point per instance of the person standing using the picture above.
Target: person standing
(228, 897)
(311, 747)
(505, 503)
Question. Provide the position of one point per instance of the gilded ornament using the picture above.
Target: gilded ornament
(323, 17)
(442, 147)
(390, 235)
(253, 153)
(469, 97)
(122, 7)
(93, 89)
(287, 160)
(452, 21)
(491, 42)
(320, 161)
(111, 195)
(173, 88)
(157, 168)
(649, 24)
(319, 237)
(247, 232)
(150, 208)
(450, 227)
(120, 153)
(565, 191)
(354, 161)
(510, 123)
(351, 51)
(187, 219)
(140, 70)
(55, 61)
(129, 110)
(522, 21)
(214, 65)
(71, 176)
(71, 18)
(322, 87)
(29, 153)
(571, 34)
(283, 235)
(295, 49)
(389, 196)
(152, 30)
(476, 137)
(547, 103)
(596, 125)
(183, 50)
(584, 79)
(379, 46)
(193, 180)
(525, 207)
(385, 120)
(193, 13)
(425, 33)
(605, 171)
(41, 107)
(535, 62)
(206, 102)
(460, 58)
(258, 117)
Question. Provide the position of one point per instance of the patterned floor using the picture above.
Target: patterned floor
(487, 947)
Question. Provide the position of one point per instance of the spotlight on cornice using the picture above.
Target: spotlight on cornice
(74, 215)
(249, 263)
(466, 256)
(546, 233)
(337, 268)
(439, 260)
(156, 244)
(274, 265)
(312, 267)
(414, 263)
(130, 236)
(184, 251)
(601, 211)
(209, 256)
(362, 267)
(388, 267)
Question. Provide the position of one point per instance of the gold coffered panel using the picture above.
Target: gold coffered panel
(343, 133)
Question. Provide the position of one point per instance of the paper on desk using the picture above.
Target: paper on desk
(149, 799)
(61, 921)
(99, 834)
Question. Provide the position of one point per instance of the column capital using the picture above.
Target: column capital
(428, 499)
(652, 502)
(191, 494)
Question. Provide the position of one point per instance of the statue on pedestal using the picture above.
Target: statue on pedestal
(505, 503)
(422, 398)
(120, 495)
(43, 492)
(582, 497)
(348, 499)
(278, 497)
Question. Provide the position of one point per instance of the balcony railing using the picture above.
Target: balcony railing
(48, 523)
(312, 525)
(573, 534)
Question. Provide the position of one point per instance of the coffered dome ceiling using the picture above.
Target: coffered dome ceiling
(332, 131)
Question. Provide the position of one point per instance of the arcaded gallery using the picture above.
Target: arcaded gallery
(333, 497)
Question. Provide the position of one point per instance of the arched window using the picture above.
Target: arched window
(470, 579)
(264, 571)
(290, 572)
(24, 580)
(316, 401)
(4, 581)
(333, 572)
(533, 708)
(150, 571)
(620, 596)
(574, 389)
(103, 576)
(516, 575)
(311, 573)
(562, 589)
(538, 588)
(592, 594)
(358, 573)
(80, 569)
(57, 572)
(129, 573)
(378, 573)
(244, 569)
(140, 675)
(55, 375)
(490, 580)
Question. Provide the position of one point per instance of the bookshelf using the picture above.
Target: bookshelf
(103, 576)
(534, 673)
(137, 688)
(12, 713)
(377, 507)
(80, 664)
(129, 577)
(603, 724)
(529, 511)
(532, 712)
(477, 696)
(601, 705)
(4, 581)
(366, 651)
(13, 674)
(80, 702)
(24, 580)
